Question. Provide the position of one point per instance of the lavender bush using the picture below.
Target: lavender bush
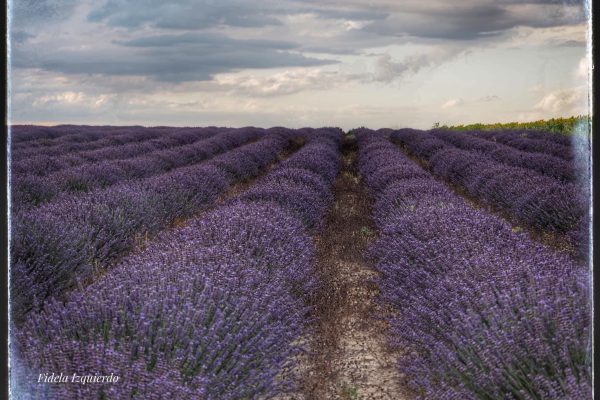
(542, 163)
(99, 360)
(308, 202)
(300, 176)
(483, 312)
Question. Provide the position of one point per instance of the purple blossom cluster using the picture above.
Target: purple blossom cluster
(479, 311)
(75, 236)
(300, 184)
(32, 190)
(532, 199)
(211, 310)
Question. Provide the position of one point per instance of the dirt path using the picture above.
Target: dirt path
(349, 359)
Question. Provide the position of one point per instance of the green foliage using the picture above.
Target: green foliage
(365, 231)
(564, 126)
(350, 392)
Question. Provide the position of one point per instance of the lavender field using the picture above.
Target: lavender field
(250, 263)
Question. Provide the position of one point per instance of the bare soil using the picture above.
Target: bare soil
(348, 357)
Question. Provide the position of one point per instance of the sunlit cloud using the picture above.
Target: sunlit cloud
(453, 103)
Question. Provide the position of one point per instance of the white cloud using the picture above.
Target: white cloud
(568, 101)
(350, 25)
(281, 83)
(569, 35)
(71, 98)
(453, 103)
(582, 68)
(559, 103)
(538, 88)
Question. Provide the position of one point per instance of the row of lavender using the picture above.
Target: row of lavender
(539, 135)
(544, 164)
(64, 138)
(131, 144)
(480, 311)
(213, 310)
(32, 190)
(21, 134)
(532, 141)
(74, 236)
(532, 199)
(575, 148)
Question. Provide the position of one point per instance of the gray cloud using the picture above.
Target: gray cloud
(184, 14)
(558, 2)
(20, 36)
(194, 14)
(348, 13)
(471, 21)
(330, 50)
(170, 58)
(458, 20)
(489, 98)
(34, 11)
(209, 40)
(388, 70)
(572, 43)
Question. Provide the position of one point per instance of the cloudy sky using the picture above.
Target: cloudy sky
(347, 63)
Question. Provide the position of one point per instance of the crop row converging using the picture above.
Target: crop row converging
(211, 310)
(183, 261)
(480, 311)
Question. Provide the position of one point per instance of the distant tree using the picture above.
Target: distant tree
(563, 126)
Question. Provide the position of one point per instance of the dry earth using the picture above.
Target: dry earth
(348, 357)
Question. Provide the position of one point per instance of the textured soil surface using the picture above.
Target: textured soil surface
(348, 357)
